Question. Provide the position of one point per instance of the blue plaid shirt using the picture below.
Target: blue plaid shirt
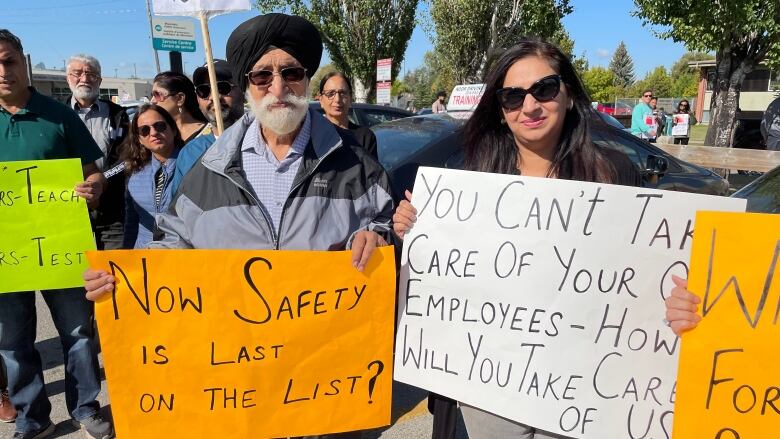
(271, 179)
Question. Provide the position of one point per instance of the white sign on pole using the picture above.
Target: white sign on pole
(541, 300)
(383, 90)
(173, 35)
(465, 97)
(194, 8)
(384, 69)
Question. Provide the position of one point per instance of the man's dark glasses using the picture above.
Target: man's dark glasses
(145, 130)
(543, 90)
(265, 77)
(204, 90)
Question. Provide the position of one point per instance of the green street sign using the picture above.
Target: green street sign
(173, 35)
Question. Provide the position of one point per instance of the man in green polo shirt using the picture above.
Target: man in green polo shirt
(35, 127)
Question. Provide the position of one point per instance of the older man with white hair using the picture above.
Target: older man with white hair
(282, 177)
(108, 124)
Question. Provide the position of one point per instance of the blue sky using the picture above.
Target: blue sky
(117, 33)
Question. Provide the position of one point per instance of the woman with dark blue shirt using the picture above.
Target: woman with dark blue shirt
(150, 160)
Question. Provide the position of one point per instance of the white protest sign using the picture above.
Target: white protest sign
(465, 97)
(681, 122)
(541, 300)
(194, 8)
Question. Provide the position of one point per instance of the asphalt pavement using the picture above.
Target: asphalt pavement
(410, 416)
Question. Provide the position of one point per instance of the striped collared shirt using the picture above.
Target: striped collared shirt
(271, 179)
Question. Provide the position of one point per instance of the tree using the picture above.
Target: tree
(741, 33)
(357, 33)
(581, 64)
(685, 80)
(428, 79)
(657, 80)
(471, 34)
(600, 84)
(40, 66)
(622, 67)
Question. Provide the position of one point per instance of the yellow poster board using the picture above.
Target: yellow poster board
(44, 225)
(729, 378)
(246, 344)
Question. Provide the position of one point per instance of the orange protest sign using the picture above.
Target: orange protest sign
(729, 381)
(240, 344)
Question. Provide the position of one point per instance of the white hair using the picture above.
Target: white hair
(86, 59)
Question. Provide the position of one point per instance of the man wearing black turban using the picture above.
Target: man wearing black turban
(282, 176)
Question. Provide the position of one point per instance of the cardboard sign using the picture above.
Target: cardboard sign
(681, 124)
(465, 97)
(541, 300)
(729, 381)
(44, 226)
(239, 344)
(194, 8)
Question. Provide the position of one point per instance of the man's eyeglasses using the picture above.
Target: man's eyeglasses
(91, 77)
(543, 90)
(647, 96)
(264, 78)
(159, 126)
(331, 94)
(204, 90)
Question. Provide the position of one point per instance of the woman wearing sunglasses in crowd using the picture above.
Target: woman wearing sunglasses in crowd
(534, 119)
(683, 108)
(335, 99)
(176, 94)
(150, 159)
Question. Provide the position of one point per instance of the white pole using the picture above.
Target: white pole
(151, 30)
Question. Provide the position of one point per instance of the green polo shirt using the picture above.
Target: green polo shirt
(45, 129)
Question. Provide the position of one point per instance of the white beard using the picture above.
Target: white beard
(85, 92)
(281, 121)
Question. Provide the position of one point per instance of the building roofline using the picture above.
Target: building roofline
(60, 74)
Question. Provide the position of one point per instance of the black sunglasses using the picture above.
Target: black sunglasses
(543, 90)
(265, 77)
(159, 126)
(204, 90)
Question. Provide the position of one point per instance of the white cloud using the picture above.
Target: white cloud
(602, 53)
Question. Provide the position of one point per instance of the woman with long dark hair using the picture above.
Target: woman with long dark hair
(150, 159)
(176, 94)
(335, 98)
(534, 119)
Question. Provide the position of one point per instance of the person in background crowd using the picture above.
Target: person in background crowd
(108, 123)
(660, 118)
(534, 120)
(260, 185)
(683, 107)
(335, 98)
(36, 127)
(150, 159)
(176, 94)
(638, 126)
(770, 126)
(231, 101)
(438, 105)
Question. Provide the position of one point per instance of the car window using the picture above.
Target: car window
(635, 149)
(396, 141)
(764, 194)
(353, 116)
(375, 116)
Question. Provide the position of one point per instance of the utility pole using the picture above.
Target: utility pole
(135, 72)
(115, 72)
(151, 31)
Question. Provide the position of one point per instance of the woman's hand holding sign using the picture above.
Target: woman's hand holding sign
(681, 307)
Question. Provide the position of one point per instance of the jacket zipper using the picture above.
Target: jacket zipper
(295, 186)
(257, 204)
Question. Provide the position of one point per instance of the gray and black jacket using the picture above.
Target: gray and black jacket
(339, 190)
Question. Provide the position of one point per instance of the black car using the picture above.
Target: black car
(763, 194)
(368, 115)
(434, 140)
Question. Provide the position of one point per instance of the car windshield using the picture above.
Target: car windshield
(401, 138)
(763, 195)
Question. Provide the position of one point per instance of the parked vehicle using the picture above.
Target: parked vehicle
(610, 108)
(368, 115)
(763, 194)
(434, 140)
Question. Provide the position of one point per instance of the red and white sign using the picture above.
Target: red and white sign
(383, 92)
(465, 97)
(383, 69)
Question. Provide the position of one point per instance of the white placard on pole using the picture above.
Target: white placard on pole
(194, 8)
(383, 90)
(384, 70)
(541, 300)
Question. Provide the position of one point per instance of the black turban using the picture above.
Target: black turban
(252, 38)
